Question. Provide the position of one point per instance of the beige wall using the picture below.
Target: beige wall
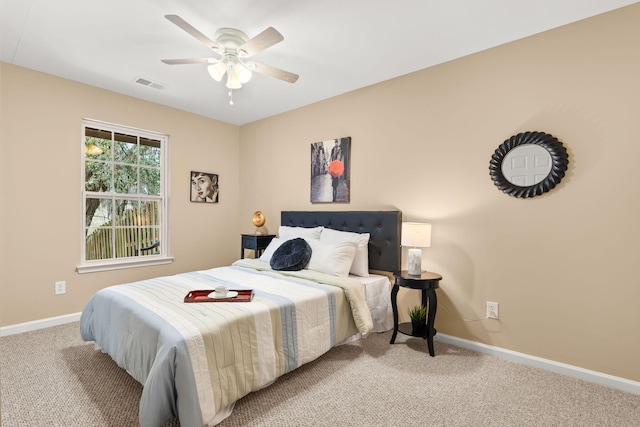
(41, 203)
(562, 266)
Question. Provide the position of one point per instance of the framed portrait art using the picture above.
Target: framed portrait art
(204, 187)
(330, 171)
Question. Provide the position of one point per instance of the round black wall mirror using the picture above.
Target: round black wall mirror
(528, 164)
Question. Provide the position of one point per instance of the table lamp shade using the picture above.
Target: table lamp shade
(415, 235)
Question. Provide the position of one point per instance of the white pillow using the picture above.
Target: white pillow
(288, 233)
(270, 249)
(331, 258)
(360, 266)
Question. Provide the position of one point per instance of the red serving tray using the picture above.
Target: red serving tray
(244, 295)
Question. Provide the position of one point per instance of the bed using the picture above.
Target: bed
(195, 360)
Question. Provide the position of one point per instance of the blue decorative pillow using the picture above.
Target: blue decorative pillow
(292, 255)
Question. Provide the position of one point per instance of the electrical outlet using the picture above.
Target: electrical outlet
(60, 288)
(492, 310)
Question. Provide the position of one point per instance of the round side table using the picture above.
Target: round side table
(427, 282)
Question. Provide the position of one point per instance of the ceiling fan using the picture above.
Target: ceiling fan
(234, 49)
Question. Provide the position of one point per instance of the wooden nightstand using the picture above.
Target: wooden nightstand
(256, 243)
(428, 283)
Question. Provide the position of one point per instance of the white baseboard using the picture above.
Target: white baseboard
(38, 324)
(610, 381)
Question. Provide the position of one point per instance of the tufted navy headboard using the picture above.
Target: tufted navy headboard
(383, 226)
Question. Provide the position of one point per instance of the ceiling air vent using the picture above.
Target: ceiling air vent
(150, 83)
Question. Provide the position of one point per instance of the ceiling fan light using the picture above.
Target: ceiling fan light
(217, 70)
(244, 74)
(233, 82)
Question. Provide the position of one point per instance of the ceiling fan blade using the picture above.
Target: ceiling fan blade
(275, 72)
(190, 61)
(265, 39)
(184, 25)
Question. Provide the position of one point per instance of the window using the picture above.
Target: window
(124, 197)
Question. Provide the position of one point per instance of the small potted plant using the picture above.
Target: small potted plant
(418, 315)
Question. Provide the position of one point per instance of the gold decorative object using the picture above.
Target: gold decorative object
(258, 221)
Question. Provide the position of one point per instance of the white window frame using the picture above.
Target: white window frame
(163, 257)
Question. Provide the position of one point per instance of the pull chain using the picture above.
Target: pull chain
(230, 97)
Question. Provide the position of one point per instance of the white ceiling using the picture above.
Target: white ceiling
(336, 46)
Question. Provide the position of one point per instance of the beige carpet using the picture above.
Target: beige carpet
(51, 378)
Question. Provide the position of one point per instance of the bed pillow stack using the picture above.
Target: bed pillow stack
(338, 253)
(331, 258)
(360, 264)
(288, 233)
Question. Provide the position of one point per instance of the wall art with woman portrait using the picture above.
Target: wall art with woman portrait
(204, 187)
(330, 171)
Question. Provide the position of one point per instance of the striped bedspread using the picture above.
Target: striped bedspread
(195, 360)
